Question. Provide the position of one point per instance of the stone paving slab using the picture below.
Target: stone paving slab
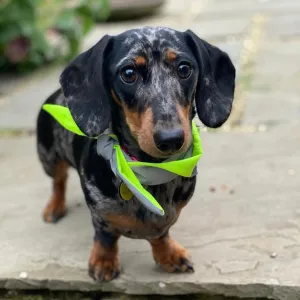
(275, 95)
(174, 8)
(285, 55)
(242, 226)
(272, 108)
(220, 8)
(214, 29)
(285, 26)
(20, 107)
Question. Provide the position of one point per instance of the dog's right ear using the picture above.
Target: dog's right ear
(84, 87)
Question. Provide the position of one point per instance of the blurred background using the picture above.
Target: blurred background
(243, 225)
(38, 37)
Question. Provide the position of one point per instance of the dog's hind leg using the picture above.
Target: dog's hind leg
(56, 208)
(53, 163)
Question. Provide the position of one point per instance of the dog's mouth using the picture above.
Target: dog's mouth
(155, 155)
(159, 155)
(166, 155)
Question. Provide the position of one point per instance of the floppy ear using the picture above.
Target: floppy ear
(216, 82)
(84, 87)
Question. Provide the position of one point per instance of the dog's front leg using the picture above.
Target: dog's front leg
(104, 261)
(170, 255)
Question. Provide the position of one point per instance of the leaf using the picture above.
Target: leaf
(66, 20)
(86, 17)
(74, 46)
(104, 10)
(38, 41)
(18, 10)
(8, 32)
(36, 58)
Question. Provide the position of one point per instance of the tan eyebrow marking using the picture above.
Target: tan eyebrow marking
(140, 61)
(171, 55)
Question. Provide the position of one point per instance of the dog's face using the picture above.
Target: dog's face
(154, 77)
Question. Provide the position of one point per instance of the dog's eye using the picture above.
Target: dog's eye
(184, 70)
(128, 74)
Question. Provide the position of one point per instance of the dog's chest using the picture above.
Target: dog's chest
(132, 219)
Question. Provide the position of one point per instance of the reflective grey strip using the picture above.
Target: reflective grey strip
(152, 175)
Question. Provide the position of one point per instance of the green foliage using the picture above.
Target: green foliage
(33, 32)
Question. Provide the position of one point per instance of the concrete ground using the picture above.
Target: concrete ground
(243, 224)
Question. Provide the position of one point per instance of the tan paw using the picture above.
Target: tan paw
(53, 213)
(104, 264)
(171, 256)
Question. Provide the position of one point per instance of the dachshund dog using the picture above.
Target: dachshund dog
(147, 84)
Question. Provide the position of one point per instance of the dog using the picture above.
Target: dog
(148, 83)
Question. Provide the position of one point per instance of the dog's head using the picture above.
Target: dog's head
(148, 81)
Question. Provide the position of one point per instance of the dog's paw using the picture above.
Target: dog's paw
(171, 256)
(104, 263)
(53, 213)
(104, 270)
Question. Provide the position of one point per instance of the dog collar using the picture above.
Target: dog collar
(134, 174)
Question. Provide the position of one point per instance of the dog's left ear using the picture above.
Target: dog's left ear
(216, 82)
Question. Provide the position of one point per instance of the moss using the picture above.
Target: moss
(7, 132)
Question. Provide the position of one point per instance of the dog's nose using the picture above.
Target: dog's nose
(169, 140)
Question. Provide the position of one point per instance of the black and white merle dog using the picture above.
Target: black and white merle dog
(148, 83)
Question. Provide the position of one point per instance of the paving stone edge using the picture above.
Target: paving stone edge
(255, 290)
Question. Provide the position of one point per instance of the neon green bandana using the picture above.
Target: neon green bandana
(134, 174)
